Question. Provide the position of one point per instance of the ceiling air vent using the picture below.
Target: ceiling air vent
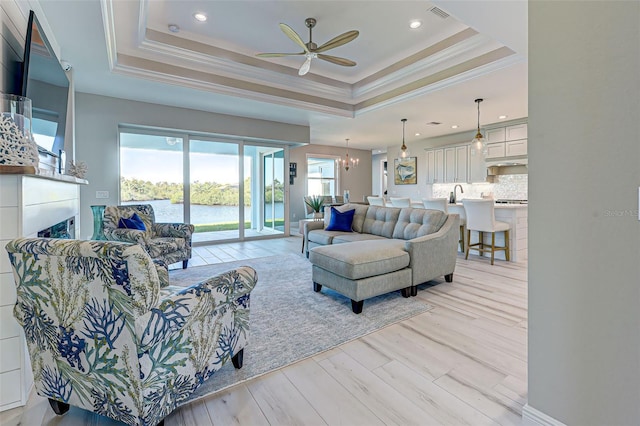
(439, 12)
(434, 123)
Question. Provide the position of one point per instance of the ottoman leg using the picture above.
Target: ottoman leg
(449, 277)
(414, 290)
(356, 307)
(406, 292)
(317, 287)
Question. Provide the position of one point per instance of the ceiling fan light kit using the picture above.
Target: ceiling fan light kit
(311, 50)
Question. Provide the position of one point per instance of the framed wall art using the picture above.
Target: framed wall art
(405, 171)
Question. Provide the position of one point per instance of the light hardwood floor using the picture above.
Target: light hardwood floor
(463, 362)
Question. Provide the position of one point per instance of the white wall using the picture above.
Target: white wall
(584, 249)
(97, 120)
(356, 180)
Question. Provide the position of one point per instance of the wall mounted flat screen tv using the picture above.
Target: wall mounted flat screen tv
(45, 82)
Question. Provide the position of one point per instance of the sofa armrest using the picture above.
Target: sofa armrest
(195, 307)
(435, 254)
(310, 226)
(134, 236)
(180, 230)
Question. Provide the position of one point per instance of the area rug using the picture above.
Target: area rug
(289, 321)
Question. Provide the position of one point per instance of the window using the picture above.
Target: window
(321, 175)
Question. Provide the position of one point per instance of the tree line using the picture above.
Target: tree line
(202, 193)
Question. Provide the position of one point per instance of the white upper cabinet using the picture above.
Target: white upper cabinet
(435, 166)
(516, 132)
(510, 141)
(496, 135)
(495, 150)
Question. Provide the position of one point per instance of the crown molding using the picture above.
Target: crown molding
(108, 26)
(485, 64)
(238, 66)
(164, 73)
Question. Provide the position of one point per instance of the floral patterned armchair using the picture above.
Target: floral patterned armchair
(168, 242)
(102, 335)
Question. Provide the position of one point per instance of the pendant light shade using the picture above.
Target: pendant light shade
(479, 143)
(404, 152)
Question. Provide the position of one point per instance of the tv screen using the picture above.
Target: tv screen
(45, 82)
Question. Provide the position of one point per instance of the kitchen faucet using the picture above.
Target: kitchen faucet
(454, 192)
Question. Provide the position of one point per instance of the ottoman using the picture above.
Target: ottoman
(362, 269)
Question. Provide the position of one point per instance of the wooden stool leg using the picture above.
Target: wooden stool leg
(468, 243)
(462, 238)
(493, 246)
(481, 251)
(507, 252)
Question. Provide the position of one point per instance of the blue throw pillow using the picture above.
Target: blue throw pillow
(134, 222)
(340, 221)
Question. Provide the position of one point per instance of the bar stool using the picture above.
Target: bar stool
(400, 201)
(441, 204)
(481, 217)
(375, 201)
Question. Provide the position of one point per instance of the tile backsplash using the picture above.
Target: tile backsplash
(512, 187)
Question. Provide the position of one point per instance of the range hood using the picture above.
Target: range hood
(507, 166)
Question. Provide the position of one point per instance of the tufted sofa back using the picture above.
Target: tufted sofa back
(414, 223)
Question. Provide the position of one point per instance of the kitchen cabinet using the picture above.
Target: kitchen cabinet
(495, 150)
(456, 164)
(435, 166)
(516, 132)
(513, 148)
(496, 135)
(510, 141)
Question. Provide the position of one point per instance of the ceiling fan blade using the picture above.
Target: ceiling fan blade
(289, 32)
(277, 55)
(338, 41)
(305, 67)
(336, 60)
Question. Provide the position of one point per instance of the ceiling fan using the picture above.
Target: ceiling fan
(312, 50)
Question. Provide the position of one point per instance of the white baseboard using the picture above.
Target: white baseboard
(533, 417)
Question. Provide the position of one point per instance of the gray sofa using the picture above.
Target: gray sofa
(389, 249)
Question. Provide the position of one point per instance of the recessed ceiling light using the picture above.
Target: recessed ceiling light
(502, 117)
(200, 17)
(417, 134)
(455, 126)
(174, 28)
(415, 24)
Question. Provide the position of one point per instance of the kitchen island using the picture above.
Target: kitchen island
(513, 214)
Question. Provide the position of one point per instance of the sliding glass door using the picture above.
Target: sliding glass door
(214, 190)
(151, 172)
(229, 190)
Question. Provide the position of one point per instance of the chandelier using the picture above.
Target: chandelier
(404, 152)
(348, 162)
(479, 143)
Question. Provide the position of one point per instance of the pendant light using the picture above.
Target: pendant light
(347, 162)
(404, 152)
(479, 143)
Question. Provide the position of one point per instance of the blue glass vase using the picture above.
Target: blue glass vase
(98, 213)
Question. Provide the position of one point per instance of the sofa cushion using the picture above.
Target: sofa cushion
(413, 223)
(358, 217)
(380, 221)
(361, 259)
(321, 236)
(354, 236)
(340, 221)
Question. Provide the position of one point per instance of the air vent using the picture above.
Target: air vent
(434, 123)
(439, 12)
